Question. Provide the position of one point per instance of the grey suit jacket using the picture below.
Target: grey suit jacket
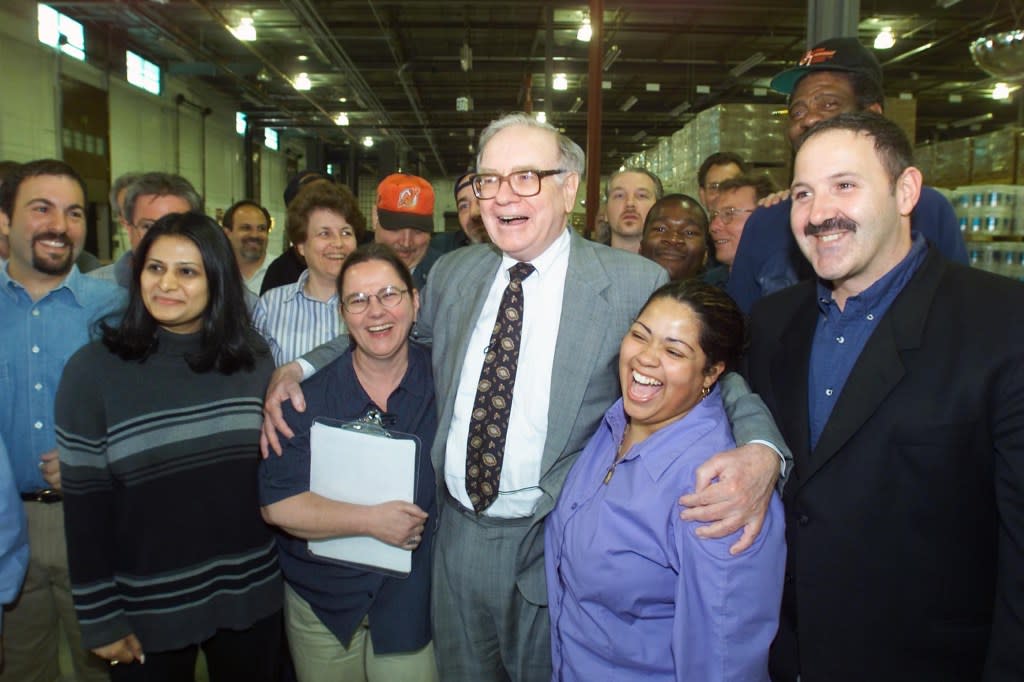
(604, 290)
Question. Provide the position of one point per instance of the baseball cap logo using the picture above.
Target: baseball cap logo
(408, 198)
(818, 55)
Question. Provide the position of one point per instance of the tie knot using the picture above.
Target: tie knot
(520, 271)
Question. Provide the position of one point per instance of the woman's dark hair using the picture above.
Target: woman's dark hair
(722, 329)
(375, 251)
(225, 326)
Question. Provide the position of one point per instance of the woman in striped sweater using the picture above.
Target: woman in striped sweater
(157, 428)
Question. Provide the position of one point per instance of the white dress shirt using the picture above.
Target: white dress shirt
(519, 488)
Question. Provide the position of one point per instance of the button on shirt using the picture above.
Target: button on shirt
(293, 323)
(36, 340)
(340, 595)
(841, 335)
(633, 593)
(519, 488)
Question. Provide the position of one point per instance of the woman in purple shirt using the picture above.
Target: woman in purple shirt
(633, 592)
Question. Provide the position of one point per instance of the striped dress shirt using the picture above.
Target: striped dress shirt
(293, 323)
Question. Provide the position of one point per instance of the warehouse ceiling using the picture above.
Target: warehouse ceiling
(399, 69)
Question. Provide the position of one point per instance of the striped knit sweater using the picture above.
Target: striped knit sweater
(158, 466)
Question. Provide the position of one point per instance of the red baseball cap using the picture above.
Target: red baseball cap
(405, 201)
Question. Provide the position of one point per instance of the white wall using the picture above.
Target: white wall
(147, 132)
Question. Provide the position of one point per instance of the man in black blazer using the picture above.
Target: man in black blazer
(897, 379)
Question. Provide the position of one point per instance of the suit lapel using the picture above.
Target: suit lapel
(880, 368)
(579, 343)
(789, 372)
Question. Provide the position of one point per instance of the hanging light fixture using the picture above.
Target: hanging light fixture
(560, 82)
(585, 32)
(302, 82)
(341, 119)
(885, 39)
(245, 31)
(1001, 91)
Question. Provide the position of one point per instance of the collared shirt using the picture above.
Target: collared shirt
(340, 595)
(119, 271)
(13, 535)
(254, 283)
(519, 488)
(633, 593)
(293, 322)
(841, 335)
(36, 340)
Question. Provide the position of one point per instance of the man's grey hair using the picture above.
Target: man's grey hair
(160, 184)
(571, 157)
(115, 189)
(659, 189)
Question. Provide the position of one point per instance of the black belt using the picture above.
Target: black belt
(45, 495)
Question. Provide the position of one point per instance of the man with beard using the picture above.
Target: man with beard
(629, 195)
(403, 218)
(468, 206)
(247, 225)
(49, 310)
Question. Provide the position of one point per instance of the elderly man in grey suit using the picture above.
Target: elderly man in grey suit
(572, 301)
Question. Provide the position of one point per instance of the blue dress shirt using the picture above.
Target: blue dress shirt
(633, 593)
(841, 335)
(36, 340)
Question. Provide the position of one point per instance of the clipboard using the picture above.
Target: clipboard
(361, 462)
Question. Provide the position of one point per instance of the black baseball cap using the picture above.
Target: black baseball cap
(299, 180)
(834, 54)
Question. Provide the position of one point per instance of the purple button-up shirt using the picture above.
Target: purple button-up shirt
(633, 592)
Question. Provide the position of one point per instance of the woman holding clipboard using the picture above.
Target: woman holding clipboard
(344, 622)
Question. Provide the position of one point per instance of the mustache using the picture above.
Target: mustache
(830, 225)
(51, 237)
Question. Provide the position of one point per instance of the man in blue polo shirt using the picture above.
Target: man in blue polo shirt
(49, 311)
(836, 76)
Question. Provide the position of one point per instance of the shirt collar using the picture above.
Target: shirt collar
(72, 282)
(300, 290)
(886, 287)
(659, 450)
(559, 249)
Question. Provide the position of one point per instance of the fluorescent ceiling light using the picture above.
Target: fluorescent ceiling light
(1001, 91)
(542, 117)
(610, 57)
(576, 105)
(747, 64)
(628, 104)
(885, 39)
(367, 141)
(652, 87)
(341, 119)
(560, 82)
(302, 82)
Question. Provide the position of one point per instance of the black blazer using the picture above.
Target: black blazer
(905, 525)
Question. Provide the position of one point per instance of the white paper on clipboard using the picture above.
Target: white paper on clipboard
(362, 468)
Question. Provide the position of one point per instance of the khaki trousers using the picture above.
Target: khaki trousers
(319, 656)
(34, 623)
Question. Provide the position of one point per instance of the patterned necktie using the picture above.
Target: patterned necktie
(486, 445)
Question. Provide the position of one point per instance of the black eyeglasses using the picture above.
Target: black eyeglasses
(525, 183)
(359, 302)
(728, 214)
